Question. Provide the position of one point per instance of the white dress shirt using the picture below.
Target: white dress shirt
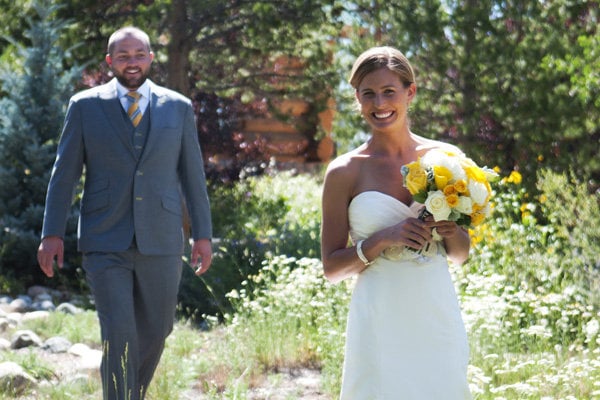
(143, 102)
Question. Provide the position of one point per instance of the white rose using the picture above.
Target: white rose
(440, 158)
(465, 205)
(437, 205)
(478, 192)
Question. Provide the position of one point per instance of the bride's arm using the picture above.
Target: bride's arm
(339, 261)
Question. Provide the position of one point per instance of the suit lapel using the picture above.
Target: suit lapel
(109, 101)
(157, 98)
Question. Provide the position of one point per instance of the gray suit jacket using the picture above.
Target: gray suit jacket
(125, 194)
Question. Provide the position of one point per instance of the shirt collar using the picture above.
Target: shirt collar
(144, 90)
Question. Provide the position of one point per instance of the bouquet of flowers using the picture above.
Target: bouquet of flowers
(452, 187)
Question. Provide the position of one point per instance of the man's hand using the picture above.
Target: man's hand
(201, 255)
(51, 246)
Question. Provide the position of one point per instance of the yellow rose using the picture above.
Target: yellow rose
(442, 176)
(452, 200)
(477, 218)
(460, 186)
(416, 179)
(449, 189)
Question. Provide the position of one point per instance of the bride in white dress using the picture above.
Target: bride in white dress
(405, 336)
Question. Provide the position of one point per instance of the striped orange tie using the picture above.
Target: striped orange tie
(134, 112)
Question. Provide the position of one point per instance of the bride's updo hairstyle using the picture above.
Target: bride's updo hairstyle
(381, 57)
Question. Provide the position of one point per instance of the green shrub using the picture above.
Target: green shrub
(575, 214)
(35, 87)
(252, 219)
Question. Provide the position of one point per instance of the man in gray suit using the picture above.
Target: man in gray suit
(141, 157)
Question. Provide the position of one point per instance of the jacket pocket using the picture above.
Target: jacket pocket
(172, 204)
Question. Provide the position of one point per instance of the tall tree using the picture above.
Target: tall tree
(37, 86)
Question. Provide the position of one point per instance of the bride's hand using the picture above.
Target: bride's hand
(411, 232)
(444, 228)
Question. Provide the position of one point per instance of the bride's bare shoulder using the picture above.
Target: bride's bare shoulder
(347, 161)
(425, 144)
(345, 169)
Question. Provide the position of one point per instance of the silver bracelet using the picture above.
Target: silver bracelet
(361, 255)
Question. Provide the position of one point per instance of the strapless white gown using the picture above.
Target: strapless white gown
(405, 336)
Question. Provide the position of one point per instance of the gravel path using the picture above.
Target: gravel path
(289, 385)
(301, 384)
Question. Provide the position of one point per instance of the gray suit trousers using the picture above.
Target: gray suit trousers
(136, 298)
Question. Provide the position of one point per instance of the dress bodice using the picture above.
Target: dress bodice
(372, 211)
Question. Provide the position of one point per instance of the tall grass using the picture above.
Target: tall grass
(289, 316)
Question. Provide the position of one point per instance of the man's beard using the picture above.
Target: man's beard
(131, 83)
